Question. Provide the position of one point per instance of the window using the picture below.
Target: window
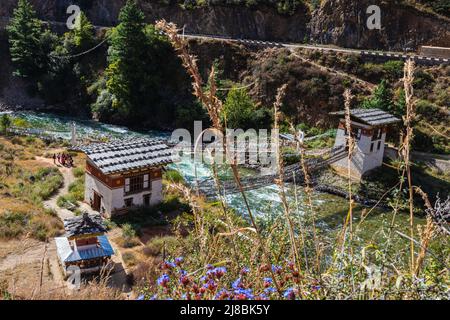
(379, 145)
(137, 183)
(129, 202)
(377, 134)
(371, 147)
(355, 132)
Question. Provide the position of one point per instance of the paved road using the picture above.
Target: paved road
(389, 55)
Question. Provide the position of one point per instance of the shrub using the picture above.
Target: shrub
(13, 224)
(155, 246)
(129, 236)
(393, 69)
(173, 176)
(129, 258)
(78, 172)
(68, 202)
(76, 190)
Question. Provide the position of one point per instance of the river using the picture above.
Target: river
(264, 202)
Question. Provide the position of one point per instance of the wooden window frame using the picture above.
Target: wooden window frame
(137, 184)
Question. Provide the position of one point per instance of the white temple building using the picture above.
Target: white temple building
(368, 128)
(124, 174)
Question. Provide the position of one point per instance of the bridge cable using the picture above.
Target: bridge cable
(81, 53)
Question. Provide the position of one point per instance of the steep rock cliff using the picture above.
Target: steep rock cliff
(338, 22)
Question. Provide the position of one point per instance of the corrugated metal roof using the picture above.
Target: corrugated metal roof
(372, 117)
(63, 248)
(66, 254)
(130, 154)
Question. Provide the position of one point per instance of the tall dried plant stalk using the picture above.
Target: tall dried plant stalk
(348, 222)
(212, 104)
(309, 196)
(351, 145)
(214, 107)
(426, 234)
(408, 119)
(280, 181)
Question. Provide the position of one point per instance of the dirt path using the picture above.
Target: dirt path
(68, 179)
(364, 84)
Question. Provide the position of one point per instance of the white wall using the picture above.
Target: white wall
(363, 159)
(91, 185)
(113, 199)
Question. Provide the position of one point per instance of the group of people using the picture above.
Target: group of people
(64, 159)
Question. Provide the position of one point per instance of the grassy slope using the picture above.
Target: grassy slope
(24, 184)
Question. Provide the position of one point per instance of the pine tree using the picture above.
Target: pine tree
(126, 73)
(82, 37)
(24, 33)
(382, 98)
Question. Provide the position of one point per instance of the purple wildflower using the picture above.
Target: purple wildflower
(167, 265)
(216, 272)
(245, 270)
(289, 294)
(243, 294)
(269, 290)
(237, 284)
(276, 269)
(267, 282)
(163, 280)
(223, 294)
(211, 285)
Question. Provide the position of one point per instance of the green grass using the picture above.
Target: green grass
(38, 225)
(76, 192)
(37, 187)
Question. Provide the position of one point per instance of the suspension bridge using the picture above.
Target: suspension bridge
(292, 173)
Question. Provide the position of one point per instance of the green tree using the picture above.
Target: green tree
(24, 34)
(82, 36)
(5, 123)
(126, 72)
(400, 103)
(381, 99)
(241, 112)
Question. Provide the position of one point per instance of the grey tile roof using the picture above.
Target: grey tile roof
(85, 224)
(372, 117)
(129, 154)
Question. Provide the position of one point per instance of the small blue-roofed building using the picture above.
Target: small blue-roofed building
(84, 245)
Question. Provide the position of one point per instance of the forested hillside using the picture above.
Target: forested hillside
(135, 78)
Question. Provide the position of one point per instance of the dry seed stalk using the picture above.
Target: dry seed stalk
(280, 181)
(408, 80)
(426, 234)
(213, 106)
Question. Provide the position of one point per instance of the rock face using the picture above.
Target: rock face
(338, 22)
(344, 23)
